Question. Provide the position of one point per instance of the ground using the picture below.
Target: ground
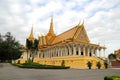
(9, 72)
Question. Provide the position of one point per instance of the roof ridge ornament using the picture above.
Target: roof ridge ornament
(51, 31)
(82, 22)
(79, 23)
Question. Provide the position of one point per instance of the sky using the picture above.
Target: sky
(101, 19)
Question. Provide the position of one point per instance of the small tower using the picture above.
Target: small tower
(51, 33)
(31, 37)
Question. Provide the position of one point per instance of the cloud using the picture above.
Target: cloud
(101, 18)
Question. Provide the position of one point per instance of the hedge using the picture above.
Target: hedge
(39, 66)
(113, 77)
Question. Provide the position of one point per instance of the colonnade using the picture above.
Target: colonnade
(72, 49)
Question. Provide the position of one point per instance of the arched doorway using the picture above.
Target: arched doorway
(90, 54)
(81, 53)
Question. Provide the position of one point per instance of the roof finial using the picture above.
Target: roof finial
(79, 23)
(31, 37)
(82, 22)
(51, 31)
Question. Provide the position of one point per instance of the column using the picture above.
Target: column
(42, 54)
(51, 52)
(70, 52)
(79, 50)
(39, 54)
(58, 51)
(46, 53)
(67, 51)
(74, 50)
(84, 51)
(99, 52)
(55, 52)
(88, 51)
(61, 52)
(93, 52)
(104, 52)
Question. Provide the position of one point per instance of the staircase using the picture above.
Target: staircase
(100, 59)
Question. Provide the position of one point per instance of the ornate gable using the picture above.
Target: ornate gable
(81, 34)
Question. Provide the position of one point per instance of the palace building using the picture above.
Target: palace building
(117, 53)
(73, 46)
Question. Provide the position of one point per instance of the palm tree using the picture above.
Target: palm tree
(29, 45)
(36, 45)
(32, 47)
(89, 64)
(98, 64)
(35, 48)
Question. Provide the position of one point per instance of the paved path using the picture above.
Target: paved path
(9, 72)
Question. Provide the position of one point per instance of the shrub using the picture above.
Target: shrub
(18, 62)
(89, 64)
(31, 63)
(63, 63)
(106, 64)
(113, 77)
(98, 64)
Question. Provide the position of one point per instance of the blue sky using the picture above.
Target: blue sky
(101, 18)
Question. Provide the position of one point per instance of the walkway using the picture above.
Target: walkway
(9, 72)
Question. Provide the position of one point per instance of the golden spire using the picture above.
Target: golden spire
(51, 31)
(31, 37)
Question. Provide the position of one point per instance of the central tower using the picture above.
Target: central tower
(50, 35)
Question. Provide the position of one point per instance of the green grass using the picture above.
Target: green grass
(33, 65)
(113, 77)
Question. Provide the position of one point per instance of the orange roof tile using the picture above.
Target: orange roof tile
(65, 35)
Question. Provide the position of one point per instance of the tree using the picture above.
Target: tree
(112, 56)
(35, 48)
(36, 44)
(89, 64)
(98, 64)
(32, 47)
(10, 49)
(28, 47)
